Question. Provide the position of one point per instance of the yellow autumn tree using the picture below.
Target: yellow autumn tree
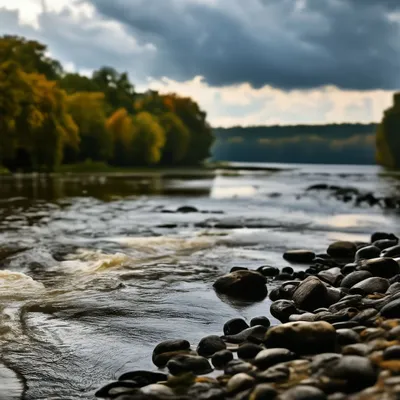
(88, 110)
(148, 140)
(120, 125)
(36, 124)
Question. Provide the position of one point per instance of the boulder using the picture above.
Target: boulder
(183, 364)
(248, 351)
(368, 252)
(333, 276)
(382, 235)
(210, 345)
(221, 358)
(310, 294)
(391, 251)
(235, 326)
(356, 373)
(299, 256)
(263, 321)
(342, 250)
(303, 337)
(370, 286)
(303, 392)
(391, 310)
(383, 267)
(269, 357)
(354, 278)
(244, 285)
(283, 309)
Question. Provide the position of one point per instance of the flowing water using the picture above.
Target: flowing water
(96, 270)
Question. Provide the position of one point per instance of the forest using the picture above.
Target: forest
(325, 144)
(51, 117)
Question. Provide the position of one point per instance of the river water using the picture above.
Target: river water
(98, 269)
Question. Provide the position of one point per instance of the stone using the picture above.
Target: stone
(347, 336)
(283, 309)
(158, 390)
(322, 361)
(391, 310)
(187, 210)
(171, 345)
(391, 251)
(237, 367)
(221, 358)
(104, 392)
(277, 373)
(333, 276)
(385, 243)
(392, 353)
(367, 253)
(269, 357)
(254, 334)
(355, 277)
(382, 235)
(288, 270)
(382, 267)
(248, 351)
(263, 321)
(357, 349)
(299, 256)
(240, 382)
(310, 294)
(234, 269)
(143, 378)
(342, 250)
(244, 285)
(303, 392)
(268, 271)
(370, 286)
(188, 363)
(235, 326)
(302, 338)
(356, 372)
(263, 392)
(210, 345)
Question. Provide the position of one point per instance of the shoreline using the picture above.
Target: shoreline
(339, 336)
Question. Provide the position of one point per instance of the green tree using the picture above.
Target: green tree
(388, 136)
(148, 140)
(30, 55)
(88, 111)
(118, 90)
(73, 83)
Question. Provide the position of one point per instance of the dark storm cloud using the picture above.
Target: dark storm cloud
(353, 44)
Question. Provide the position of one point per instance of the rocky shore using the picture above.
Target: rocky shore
(339, 336)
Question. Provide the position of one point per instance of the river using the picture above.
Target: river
(98, 269)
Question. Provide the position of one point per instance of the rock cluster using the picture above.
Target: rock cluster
(339, 337)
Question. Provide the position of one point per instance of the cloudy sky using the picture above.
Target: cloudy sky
(247, 62)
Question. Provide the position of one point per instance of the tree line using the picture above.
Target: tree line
(49, 116)
(326, 144)
(388, 136)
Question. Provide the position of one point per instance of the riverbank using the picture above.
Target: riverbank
(339, 336)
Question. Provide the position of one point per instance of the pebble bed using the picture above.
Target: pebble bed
(339, 336)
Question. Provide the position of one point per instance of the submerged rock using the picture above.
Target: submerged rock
(245, 285)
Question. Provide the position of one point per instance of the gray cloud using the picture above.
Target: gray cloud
(289, 44)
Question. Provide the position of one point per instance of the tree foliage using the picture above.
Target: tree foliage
(148, 140)
(49, 116)
(88, 110)
(388, 136)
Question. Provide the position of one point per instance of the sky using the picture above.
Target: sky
(247, 62)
